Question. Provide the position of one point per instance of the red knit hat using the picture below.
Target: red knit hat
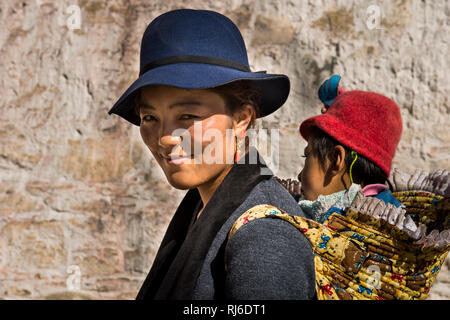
(366, 122)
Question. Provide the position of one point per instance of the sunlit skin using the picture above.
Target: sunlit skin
(164, 109)
(326, 179)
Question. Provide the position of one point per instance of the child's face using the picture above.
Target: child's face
(325, 179)
(312, 177)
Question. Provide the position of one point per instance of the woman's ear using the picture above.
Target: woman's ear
(242, 117)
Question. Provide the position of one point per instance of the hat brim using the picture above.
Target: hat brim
(274, 88)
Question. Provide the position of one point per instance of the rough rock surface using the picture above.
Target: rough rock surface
(84, 206)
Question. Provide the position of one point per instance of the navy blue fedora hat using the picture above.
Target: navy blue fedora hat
(197, 49)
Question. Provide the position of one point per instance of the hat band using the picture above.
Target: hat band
(194, 59)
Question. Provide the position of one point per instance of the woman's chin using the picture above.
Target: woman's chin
(181, 181)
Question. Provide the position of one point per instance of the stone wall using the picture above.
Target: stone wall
(83, 206)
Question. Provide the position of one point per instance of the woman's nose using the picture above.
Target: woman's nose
(167, 136)
(299, 177)
(168, 141)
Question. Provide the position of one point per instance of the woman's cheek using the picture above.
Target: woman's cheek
(148, 136)
(202, 134)
(216, 138)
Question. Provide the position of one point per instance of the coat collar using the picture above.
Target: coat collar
(184, 247)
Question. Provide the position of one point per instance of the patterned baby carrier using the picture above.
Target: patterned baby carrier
(375, 250)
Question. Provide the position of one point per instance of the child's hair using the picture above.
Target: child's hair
(364, 171)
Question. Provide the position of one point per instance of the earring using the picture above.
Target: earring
(355, 155)
(239, 143)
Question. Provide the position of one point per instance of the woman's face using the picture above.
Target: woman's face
(204, 151)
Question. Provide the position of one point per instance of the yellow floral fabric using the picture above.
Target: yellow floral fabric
(359, 256)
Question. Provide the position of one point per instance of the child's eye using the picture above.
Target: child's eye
(305, 153)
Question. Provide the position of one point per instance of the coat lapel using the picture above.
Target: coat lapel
(174, 237)
(180, 258)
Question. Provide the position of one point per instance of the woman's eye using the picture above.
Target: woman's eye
(188, 116)
(148, 118)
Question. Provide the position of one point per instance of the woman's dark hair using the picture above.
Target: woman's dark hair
(239, 93)
(364, 171)
(236, 94)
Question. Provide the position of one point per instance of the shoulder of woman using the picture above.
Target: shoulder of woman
(270, 191)
(268, 235)
(264, 256)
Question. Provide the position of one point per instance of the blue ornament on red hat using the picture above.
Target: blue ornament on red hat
(329, 90)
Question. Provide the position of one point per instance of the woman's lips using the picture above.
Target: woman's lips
(176, 160)
(179, 160)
